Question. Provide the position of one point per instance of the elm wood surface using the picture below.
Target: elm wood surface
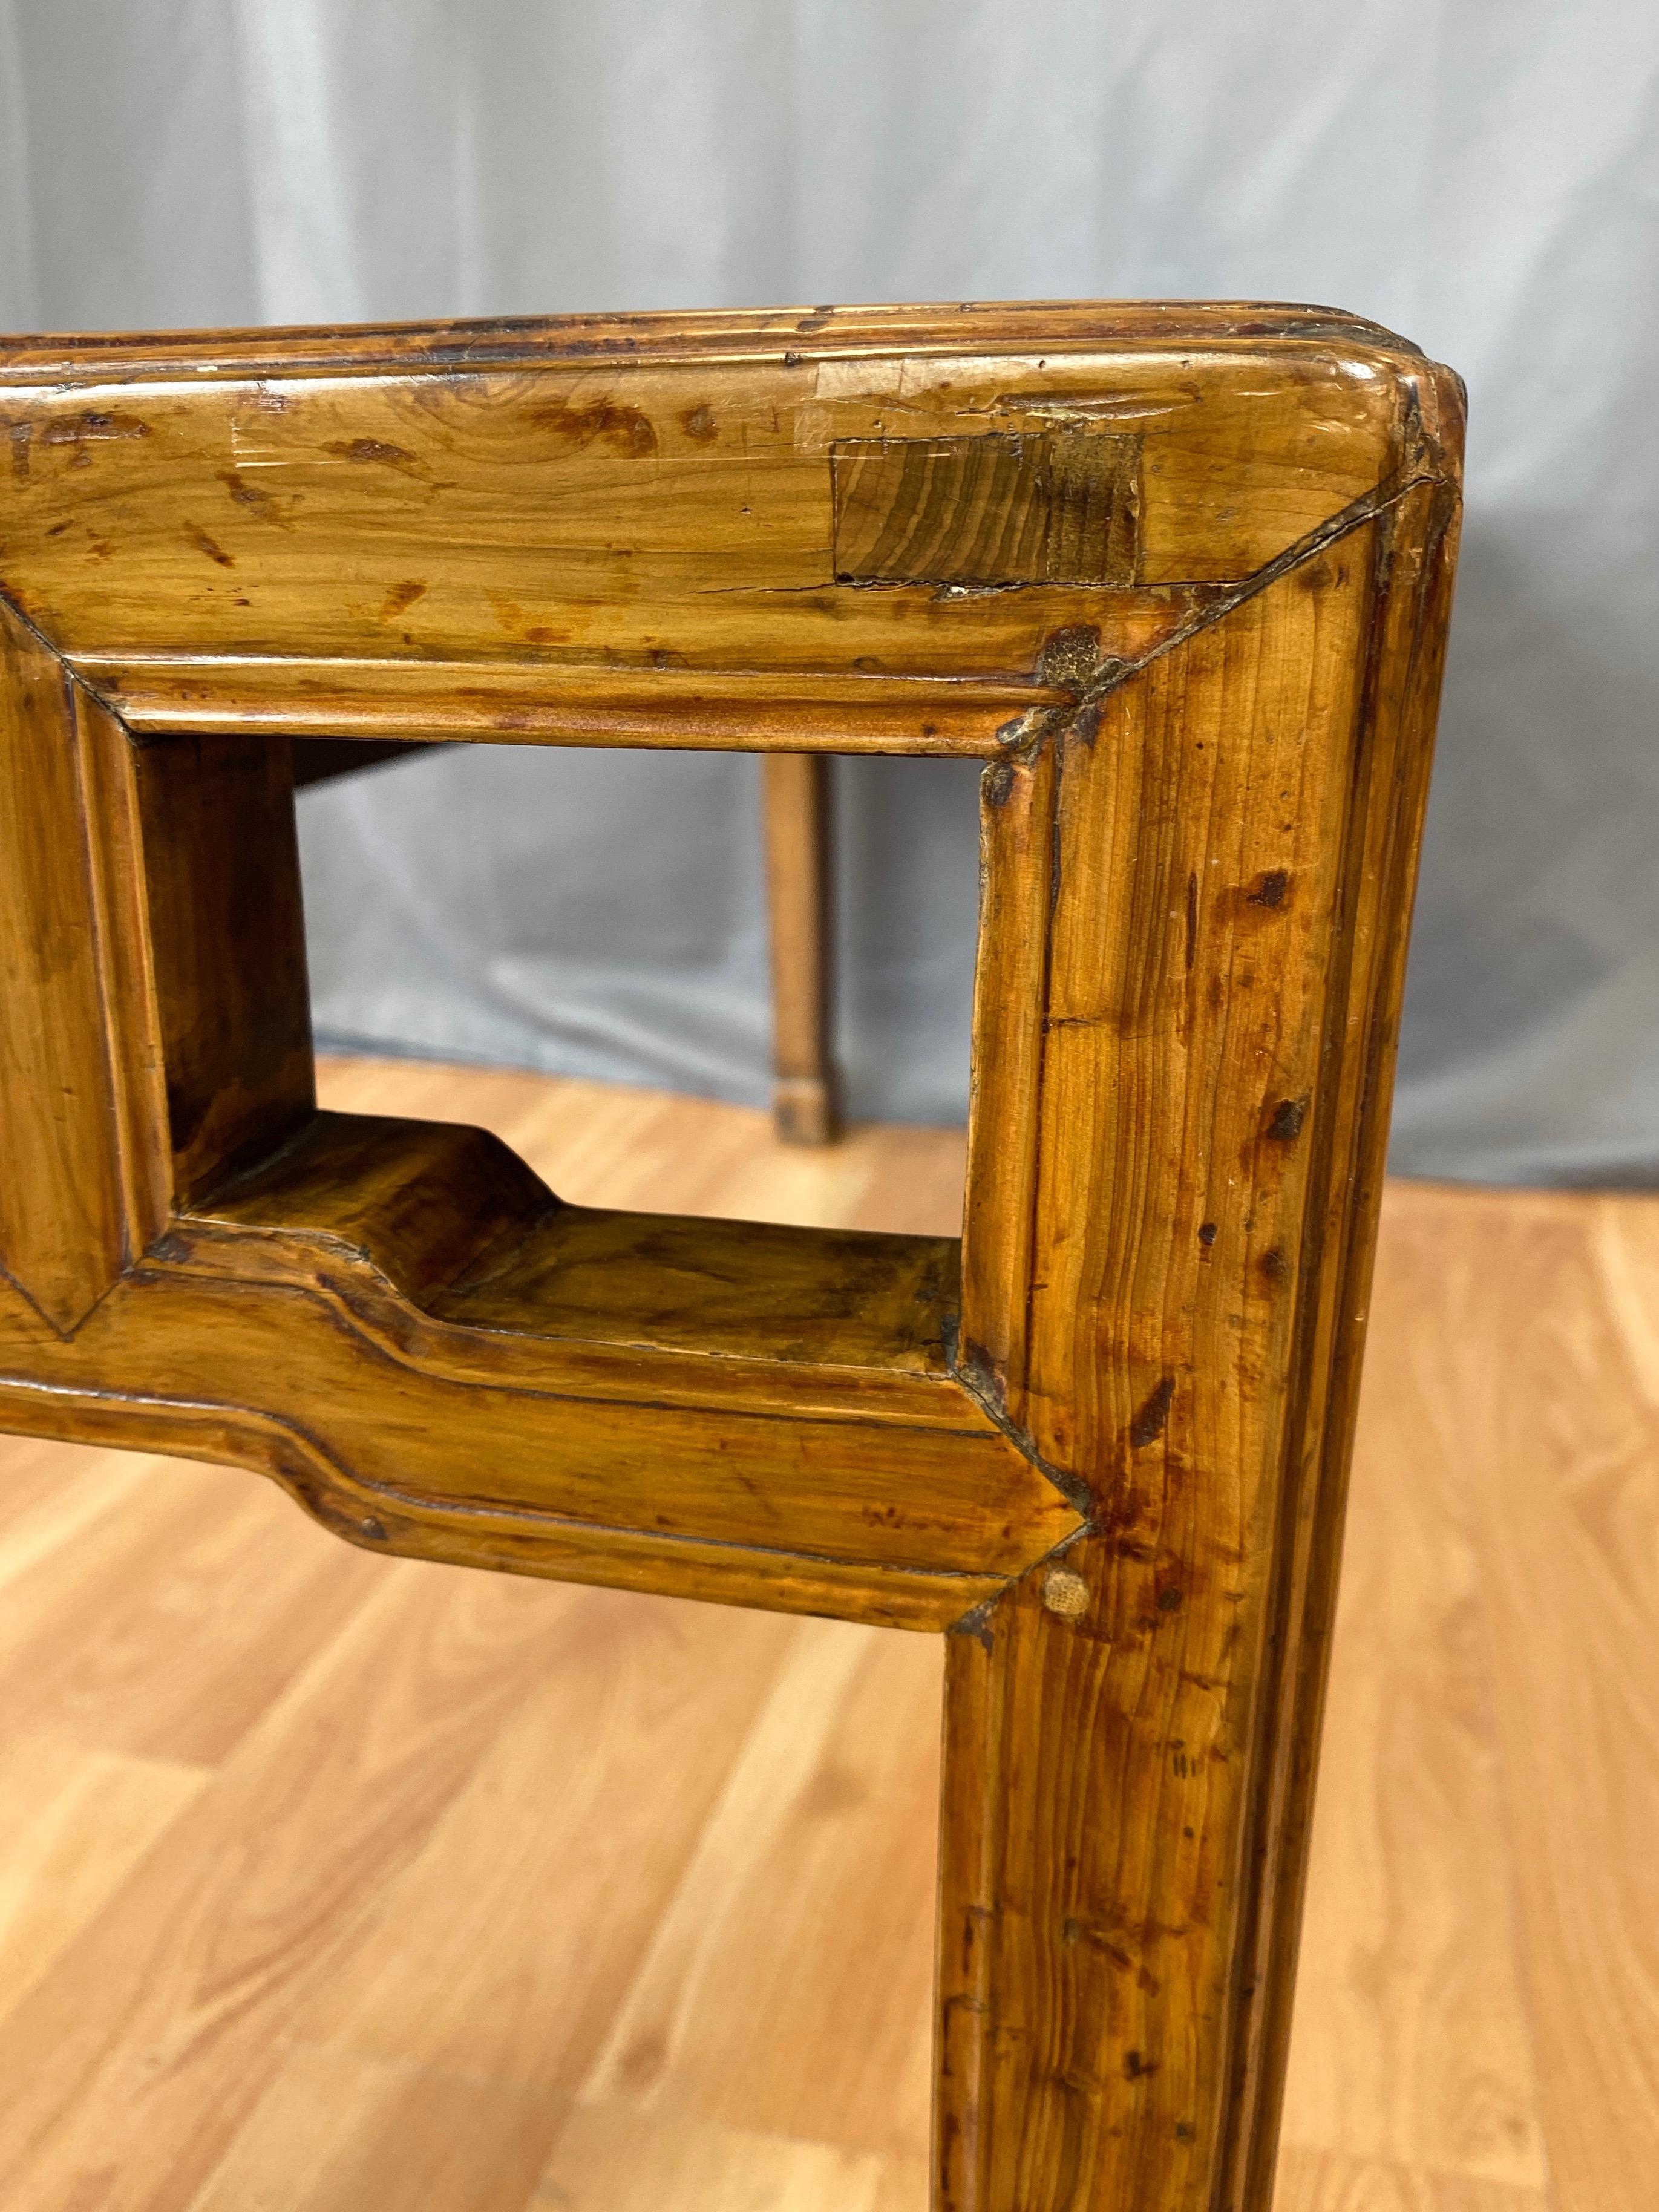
(1104, 1440)
(657, 1905)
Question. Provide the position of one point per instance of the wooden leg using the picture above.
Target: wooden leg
(1109, 1980)
(796, 805)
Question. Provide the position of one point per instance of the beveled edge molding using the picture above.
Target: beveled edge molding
(407, 1526)
(788, 334)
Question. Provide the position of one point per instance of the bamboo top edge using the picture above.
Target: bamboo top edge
(787, 334)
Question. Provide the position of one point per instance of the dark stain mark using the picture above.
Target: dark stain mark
(699, 422)
(400, 597)
(100, 550)
(998, 782)
(1069, 1932)
(1207, 1232)
(1275, 1265)
(1270, 888)
(1069, 656)
(195, 535)
(1135, 2068)
(1120, 1958)
(1192, 920)
(1086, 723)
(89, 426)
(624, 429)
(21, 433)
(251, 497)
(1185, 2132)
(58, 528)
(1288, 1116)
(1321, 575)
(1169, 1601)
(169, 1246)
(376, 449)
(816, 320)
(665, 656)
(1148, 1423)
(792, 360)
(374, 1530)
(977, 1623)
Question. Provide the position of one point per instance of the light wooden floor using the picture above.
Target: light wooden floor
(336, 1884)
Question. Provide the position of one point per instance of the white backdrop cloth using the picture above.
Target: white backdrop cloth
(1482, 174)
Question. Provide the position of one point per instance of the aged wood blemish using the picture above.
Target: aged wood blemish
(607, 422)
(254, 497)
(1284, 1126)
(1207, 1232)
(1148, 1425)
(195, 535)
(371, 451)
(1069, 657)
(997, 783)
(91, 427)
(699, 424)
(977, 1623)
(1270, 888)
(401, 598)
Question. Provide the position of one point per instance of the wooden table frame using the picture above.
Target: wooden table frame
(1179, 576)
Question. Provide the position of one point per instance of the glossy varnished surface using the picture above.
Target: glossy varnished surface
(855, 528)
(1181, 576)
(334, 1882)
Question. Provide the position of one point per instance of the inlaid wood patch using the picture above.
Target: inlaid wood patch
(1032, 507)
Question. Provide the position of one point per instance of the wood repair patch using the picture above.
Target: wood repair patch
(1046, 507)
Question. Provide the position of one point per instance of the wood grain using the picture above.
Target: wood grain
(1461, 1868)
(1181, 580)
(1100, 2038)
(226, 939)
(1027, 509)
(74, 1209)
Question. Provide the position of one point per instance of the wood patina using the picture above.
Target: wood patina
(1179, 575)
